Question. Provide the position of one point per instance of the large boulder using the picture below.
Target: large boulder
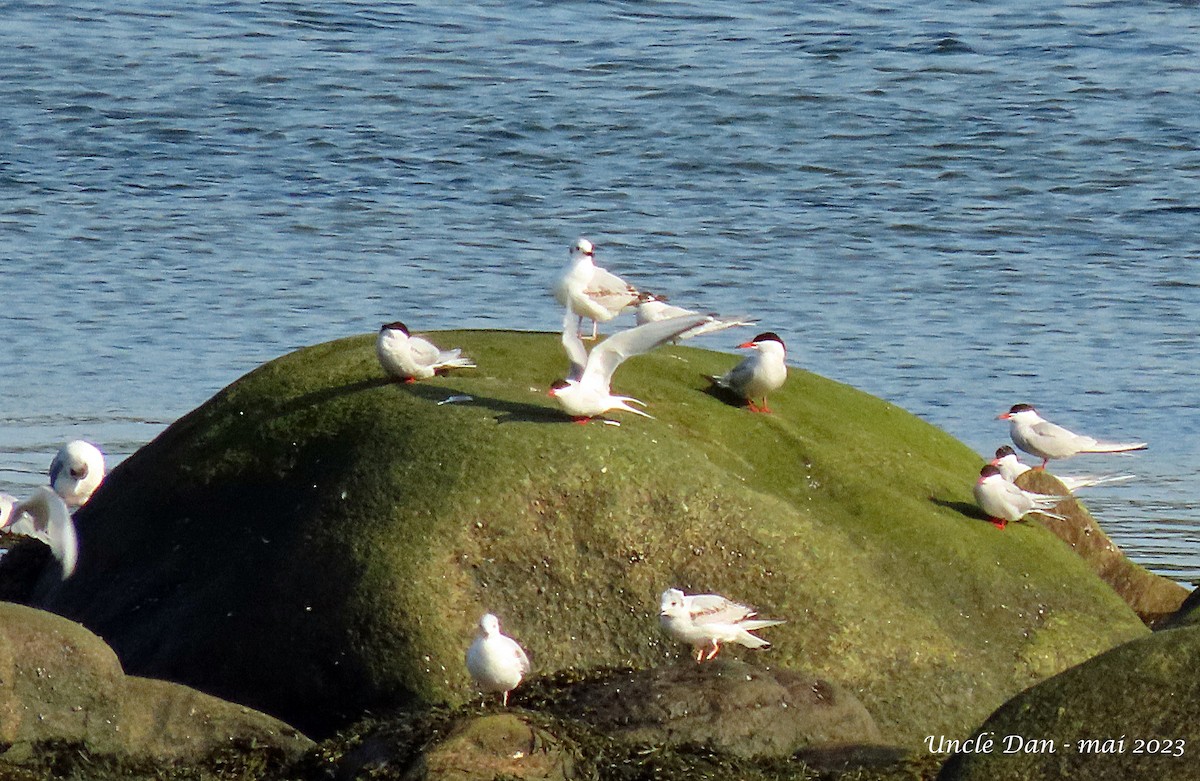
(732, 706)
(317, 541)
(61, 686)
(1128, 713)
(1154, 598)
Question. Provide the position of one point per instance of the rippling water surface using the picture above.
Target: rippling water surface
(954, 209)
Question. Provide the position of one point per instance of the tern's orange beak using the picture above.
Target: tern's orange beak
(745, 344)
(1004, 416)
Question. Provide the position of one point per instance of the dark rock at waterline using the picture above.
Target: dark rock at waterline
(317, 542)
(60, 685)
(1128, 713)
(1153, 597)
(729, 705)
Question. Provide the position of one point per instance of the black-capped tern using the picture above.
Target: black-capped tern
(411, 358)
(586, 393)
(652, 308)
(1004, 502)
(1039, 437)
(759, 373)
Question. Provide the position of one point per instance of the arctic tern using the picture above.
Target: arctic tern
(585, 393)
(1041, 438)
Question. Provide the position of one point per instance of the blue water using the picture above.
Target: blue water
(953, 208)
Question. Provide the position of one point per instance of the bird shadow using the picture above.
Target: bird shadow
(723, 395)
(963, 508)
(503, 410)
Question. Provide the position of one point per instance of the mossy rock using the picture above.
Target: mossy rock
(730, 705)
(1128, 713)
(1154, 598)
(317, 541)
(63, 692)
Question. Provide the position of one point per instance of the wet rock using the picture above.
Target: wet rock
(731, 706)
(61, 685)
(1129, 713)
(1153, 597)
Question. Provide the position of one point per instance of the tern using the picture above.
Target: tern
(43, 516)
(496, 662)
(585, 393)
(759, 373)
(411, 358)
(1041, 438)
(706, 620)
(652, 308)
(1011, 468)
(76, 472)
(1004, 501)
(590, 291)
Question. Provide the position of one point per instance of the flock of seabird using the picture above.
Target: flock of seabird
(587, 292)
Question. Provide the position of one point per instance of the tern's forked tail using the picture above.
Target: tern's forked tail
(1115, 447)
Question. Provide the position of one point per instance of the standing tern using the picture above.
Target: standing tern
(585, 393)
(410, 358)
(76, 472)
(590, 291)
(759, 373)
(1040, 437)
(704, 621)
(495, 661)
(1011, 468)
(44, 516)
(1004, 501)
(652, 308)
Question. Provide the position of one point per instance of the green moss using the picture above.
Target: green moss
(317, 541)
(1099, 717)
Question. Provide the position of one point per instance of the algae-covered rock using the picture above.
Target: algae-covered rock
(1153, 597)
(732, 706)
(62, 688)
(1129, 713)
(500, 745)
(317, 541)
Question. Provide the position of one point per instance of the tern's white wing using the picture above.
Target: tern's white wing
(608, 355)
(571, 342)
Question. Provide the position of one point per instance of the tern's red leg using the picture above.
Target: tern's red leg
(999, 523)
(716, 647)
(409, 380)
(582, 420)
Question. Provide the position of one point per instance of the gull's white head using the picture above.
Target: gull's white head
(672, 599)
(77, 471)
(583, 247)
(489, 624)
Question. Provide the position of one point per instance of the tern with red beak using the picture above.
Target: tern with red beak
(1003, 501)
(585, 393)
(410, 358)
(1011, 468)
(590, 291)
(759, 373)
(1039, 437)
